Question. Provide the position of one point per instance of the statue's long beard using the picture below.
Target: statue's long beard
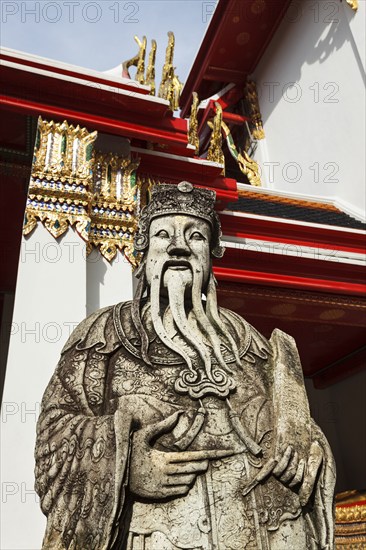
(202, 331)
(157, 313)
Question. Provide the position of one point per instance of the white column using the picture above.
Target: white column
(50, 300)
(107, 282)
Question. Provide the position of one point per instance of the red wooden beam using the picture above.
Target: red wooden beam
(20, 83)
(255, 259)
(288, 281)
(233, 118)
(222, 74)
(93, 121)
(202, 58)
(298, 234)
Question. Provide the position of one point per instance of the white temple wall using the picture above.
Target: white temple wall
(56, 288)
(311, 92)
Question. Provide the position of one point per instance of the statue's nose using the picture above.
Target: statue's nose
(178, 247)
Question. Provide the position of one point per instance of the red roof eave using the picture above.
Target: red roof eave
(323, 272)
(94, 121)
(73, 71)
(117, 111)
(224, 55)
(249, 226)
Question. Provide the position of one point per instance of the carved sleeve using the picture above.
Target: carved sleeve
(81, 455)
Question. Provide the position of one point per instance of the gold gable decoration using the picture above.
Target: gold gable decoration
(247, 165)
(114, 205)
(137, 61)
(72, 185)
(58, 192)
(251, 96)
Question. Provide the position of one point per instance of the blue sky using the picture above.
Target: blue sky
(99, 35)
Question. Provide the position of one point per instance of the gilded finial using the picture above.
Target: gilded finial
(353, 4)
(193, 138)
(168, 65)
(150, 72)
(246, 165)
(251, 95)
(170, 87)
(137, 61)
(215, 153)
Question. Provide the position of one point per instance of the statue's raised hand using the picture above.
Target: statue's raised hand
(158, 475)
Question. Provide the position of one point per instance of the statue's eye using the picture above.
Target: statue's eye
(197, 236)
(162, 234)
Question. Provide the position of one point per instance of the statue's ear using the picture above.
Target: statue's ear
(218, 251)
(141, 242)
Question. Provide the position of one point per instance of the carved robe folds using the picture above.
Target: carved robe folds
(102, 392)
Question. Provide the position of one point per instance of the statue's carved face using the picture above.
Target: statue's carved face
(180, 243)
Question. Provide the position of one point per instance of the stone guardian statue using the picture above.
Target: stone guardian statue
(171, 423)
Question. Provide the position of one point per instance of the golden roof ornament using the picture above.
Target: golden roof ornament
(137, 61)
(215, 153)
(256, 125)
(353, 4)
(170, 86)
(150, 72)
(247, 165)
(193, 138)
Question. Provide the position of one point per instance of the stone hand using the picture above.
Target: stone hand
(297, 473)
(158, 475)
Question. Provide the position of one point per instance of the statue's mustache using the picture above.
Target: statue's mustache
(176, 263)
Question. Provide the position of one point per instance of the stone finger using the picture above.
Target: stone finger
(174, 480)
(299, 474)
(209, 454)
(159, 428)
(176, 490)
(291, 469)
(266, 470)
(283, 462)
(198, 467)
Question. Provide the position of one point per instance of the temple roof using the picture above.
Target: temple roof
(277, 206)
